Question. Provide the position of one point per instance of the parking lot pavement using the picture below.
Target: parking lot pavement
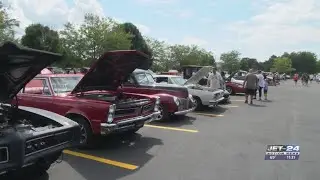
(203, 146)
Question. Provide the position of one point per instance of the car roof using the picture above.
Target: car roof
(60, 75)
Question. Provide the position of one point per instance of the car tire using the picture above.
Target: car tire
(198, 103)
(86, 132)
(164, 115)
(229, 89)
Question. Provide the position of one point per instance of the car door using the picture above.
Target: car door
(37, 93)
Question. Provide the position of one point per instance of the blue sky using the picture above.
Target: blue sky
(256, 28)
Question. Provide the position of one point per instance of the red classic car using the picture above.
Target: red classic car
(94, 100)
(175, 99)
(234, 83)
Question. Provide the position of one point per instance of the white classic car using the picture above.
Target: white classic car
(204, 96)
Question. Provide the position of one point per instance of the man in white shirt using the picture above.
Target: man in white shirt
(215, 80)
(260, 83)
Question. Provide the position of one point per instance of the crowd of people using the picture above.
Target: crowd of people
(255, 82)
(306, 78)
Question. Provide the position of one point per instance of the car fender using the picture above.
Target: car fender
(167, 101)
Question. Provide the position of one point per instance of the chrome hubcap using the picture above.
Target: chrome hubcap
(83, 134)
(159, 117)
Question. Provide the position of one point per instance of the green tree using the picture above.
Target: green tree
(318, 66)
(283, 65)
(137, 41)
(230, 61)
(41, 37)
(267, 65)
(161, 55)
(7, 25)
(191, 55)
(303, 61)
(94, 36)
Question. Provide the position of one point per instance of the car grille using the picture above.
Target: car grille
(4, 155)
(134, 110)
(43, 143)
(148, 108)
(184, 104)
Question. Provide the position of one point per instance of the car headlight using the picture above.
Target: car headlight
(157, 104)
(176, 100)
(112, 110)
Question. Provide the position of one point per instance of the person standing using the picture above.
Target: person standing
(265, 88)
(250, 83)
(295, 78)
(260, 83)
(215, 80)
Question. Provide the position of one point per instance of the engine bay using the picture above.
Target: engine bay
(118, 99)
(22, 121)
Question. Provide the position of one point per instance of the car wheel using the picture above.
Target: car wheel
(198, 103)
(163, 113)
(86, 135)
(229, 89)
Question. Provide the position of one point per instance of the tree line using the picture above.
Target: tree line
(83, 43)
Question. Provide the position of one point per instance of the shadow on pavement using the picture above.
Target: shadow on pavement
(267, 101)
(257, 105)
(242, 94)
(176, 121)
(26, 174)
(215, 110)
(131, 149)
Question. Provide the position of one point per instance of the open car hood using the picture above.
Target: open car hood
(111, 70)
(19, 65)
(204, 71)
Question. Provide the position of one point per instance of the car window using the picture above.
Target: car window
(162, 79)
(64, 84)
(178, 80)
(37, 86)
(144, 78)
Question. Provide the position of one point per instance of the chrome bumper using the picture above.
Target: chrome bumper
(214, 103)
(127, 124)
(183, 112)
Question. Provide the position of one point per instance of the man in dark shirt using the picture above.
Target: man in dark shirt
(250, 84)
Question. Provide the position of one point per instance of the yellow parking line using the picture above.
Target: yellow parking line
(210, 115)
(101, 160)
(172, 128)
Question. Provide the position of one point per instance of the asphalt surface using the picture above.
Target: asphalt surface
(225, 144)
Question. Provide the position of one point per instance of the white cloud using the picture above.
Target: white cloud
(51, 12)
(143, 29)
(55, 13)
(194, 40)
(280, 26)
(157, 1)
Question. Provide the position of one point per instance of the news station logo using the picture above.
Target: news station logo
(282, 152)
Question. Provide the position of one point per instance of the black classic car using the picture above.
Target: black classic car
(29, 137)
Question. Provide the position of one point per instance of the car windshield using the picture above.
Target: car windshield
(178, 80)
(64, 84)
(144, 78)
